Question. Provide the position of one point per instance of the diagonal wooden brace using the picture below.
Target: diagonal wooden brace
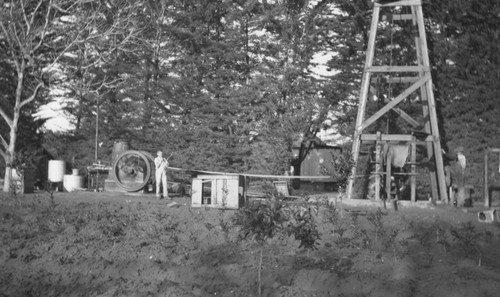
(394, 102)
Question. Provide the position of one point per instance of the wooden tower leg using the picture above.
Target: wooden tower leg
(365, 87)
(388, 181)
(486, 194)
(378, 166)
(438, 180)
(413, 177)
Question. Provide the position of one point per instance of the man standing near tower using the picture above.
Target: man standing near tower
(460, 177)
(161, 165)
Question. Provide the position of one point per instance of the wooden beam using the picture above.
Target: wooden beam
(363, 98)
(398, 17)
(432, 104)
(395, 101)
(386, 137)
(401, 80)
(388, 168)
(399, 3)
(494, 150)
(486, 193)
(393, 137)
(413, 178)
(398, 69)
(407, 118)
(402, 17)
(378, 164)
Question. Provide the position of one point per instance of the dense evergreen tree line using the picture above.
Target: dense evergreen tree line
(228, 85)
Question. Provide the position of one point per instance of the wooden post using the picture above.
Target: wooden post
(432, 107)
(413, 178)
(425, 109)
(365, 87)
(486, 193)
(378, 165)
(388, 172)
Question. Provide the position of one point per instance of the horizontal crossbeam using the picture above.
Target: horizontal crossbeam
(397, 3)
(401, 80)
(417, 69)
(395, 138)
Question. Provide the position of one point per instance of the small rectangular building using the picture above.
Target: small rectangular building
(316, 162)
(218, 191)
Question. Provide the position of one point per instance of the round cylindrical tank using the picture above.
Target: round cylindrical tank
(56, 170)
(72, 182)
(119, 147)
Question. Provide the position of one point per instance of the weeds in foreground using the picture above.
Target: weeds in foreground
(470, 241)
(261, 222)
(441, 236)
(375, 218)
(225, 226)
(110, 223)
(275, 218)
(339, 226)
(397, 241)
(303, 226)
(342, 166)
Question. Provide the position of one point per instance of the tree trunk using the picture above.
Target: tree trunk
(11, 149)
(9, 158)
(6, 181)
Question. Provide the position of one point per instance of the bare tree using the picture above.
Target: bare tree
(37, 35)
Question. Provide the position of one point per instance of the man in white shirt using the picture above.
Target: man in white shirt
(161, 165)
(460, 176)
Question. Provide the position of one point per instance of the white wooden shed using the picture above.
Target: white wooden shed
(218, 191)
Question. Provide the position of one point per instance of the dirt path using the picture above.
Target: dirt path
(116, 244)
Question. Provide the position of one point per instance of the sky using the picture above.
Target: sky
(56, 119)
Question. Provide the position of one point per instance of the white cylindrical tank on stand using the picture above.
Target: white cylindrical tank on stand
(56, 171)
(73, 182)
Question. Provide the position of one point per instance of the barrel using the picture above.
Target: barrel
(72, 182)
(56, 171)
(119, 147)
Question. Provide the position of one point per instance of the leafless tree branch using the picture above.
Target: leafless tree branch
(10, 44)
(4, 143)
(32, 97)
(45, 26)
(6, 117)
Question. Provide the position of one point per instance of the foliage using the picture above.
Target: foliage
(465, 52)
(229, 85)
(468, 239)
(376, 219)
(342, 165)
(262, 221)
(303, 227)
(339, 227)
(226, 86)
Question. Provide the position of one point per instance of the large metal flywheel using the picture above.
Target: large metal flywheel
(133, 170)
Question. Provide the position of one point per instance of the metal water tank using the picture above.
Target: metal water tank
(56, 170)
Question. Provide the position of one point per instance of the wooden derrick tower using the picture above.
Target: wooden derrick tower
(415, 83)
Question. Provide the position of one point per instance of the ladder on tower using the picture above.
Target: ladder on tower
(420, 80)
